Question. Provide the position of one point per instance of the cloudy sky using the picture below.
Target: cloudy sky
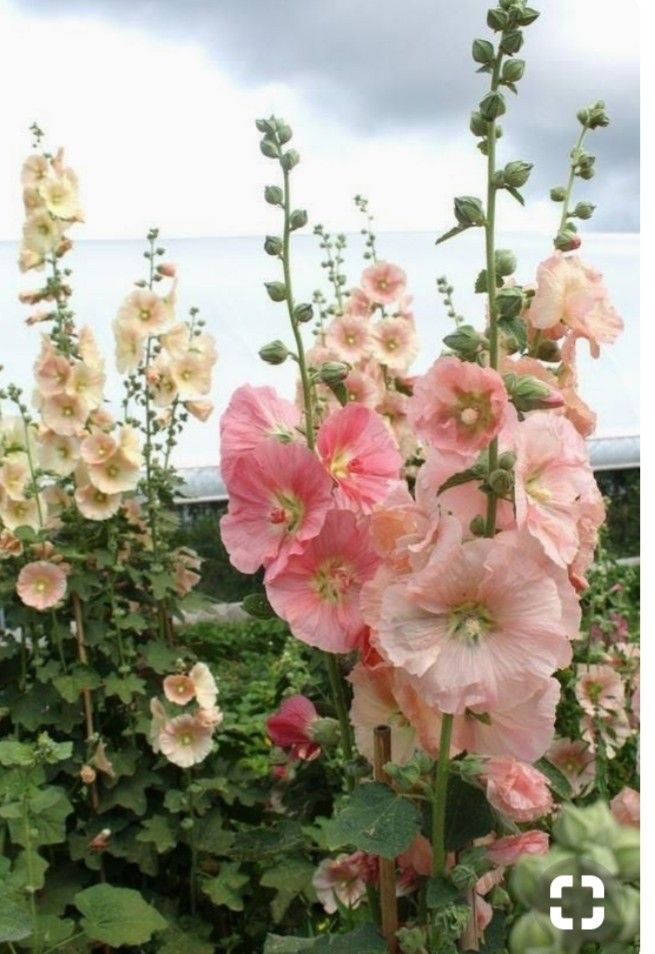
(155, 101)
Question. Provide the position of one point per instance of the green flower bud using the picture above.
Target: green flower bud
(511, 42)
(567, 240)
(303, 313)
(510, 301)
(297, 219)
(483, 52)
(469, 211)
(265, 126)
(501, 481)
(413, 940)
(333, 372)
(534, 932)
(478, 125)
(517, 173)
(549, 350)
(622, 908)
(284, 133)
(506, 460)
(513, 71)
(325, 732)
(625, 846)
(269, 148)
(465, 341)
(463, 877)
(584, 210)
(289, 160)
(576, 827)
(274, 195)
(585, 166)
(497, 19)
(526, 16)
(531, 394)
(275, 352)
(273, 245)
(558, 193)
(478, 526)
(186, 824)
(505, 262)
(492, 106)
(277, 291)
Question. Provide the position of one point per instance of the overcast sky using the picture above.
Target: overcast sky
(155, 102)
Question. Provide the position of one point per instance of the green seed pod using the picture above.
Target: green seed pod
(584, 210)
(477, 125)
(513, 71)
(511, 42)
(289, 160)
(303, 312)
(505, 262)
(506, 460)
(297, 219)
(483, 52)
(501, 481)
(269, 148)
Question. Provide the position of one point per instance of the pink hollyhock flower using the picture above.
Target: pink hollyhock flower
(517, 790)
(186, 567)
(482, 910)
(252, 416)
(384, 283)
(610, 726)
(361, 388)
(507, 851)
(41, 585)
(291, 728)
(394, 343)
(521, 730)
(590, 520)
(96, 505)
(635, 702)
(375, 703)
(349, 337)
(64, 414)
(625, 807)
(278, 501)
(599, 688)
(144, 312)
(555, 487)
(575, 761)
(179, 689)
(358, 451)
(185, 741)
(413, 864)
(483, 625)
(572, 294)
(344, 879)
(358, 303)
(317, 591)
(458, 406)
(198, 684)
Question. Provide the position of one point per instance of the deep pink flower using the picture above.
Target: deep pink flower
(342, 881)
(517, 790)
(458, 406)
(279, 497)
(384, 283)
(360, 454)
(507, 851)
(252, 416)
(291, 728)
(317, 591)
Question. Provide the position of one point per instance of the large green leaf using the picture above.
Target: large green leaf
(225, 888)
(290, 877)
(376, 820)
(365, 940)
(159, 831)
(468, 814)
(257, 843)
(15, 921)
(117, 916)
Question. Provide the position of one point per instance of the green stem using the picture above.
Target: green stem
(439, 801)
(569, 184)
(31, 888)
(336, 684)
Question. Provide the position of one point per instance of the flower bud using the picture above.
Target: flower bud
(513, 71)
(585, 167)
(284, 132)
(477, 125)
(534, 932)
(325, 731)
(269, 148)
(273, 195)
(478, 526)
(277, 291)
(492, 106)
(517, 173)
(289, 160)
(506, 460)
(297, 219)
(303, 313)
(511, 42)
(558, 193)
(549, 350)
(531, 394)
(505, 262)
(463, 877)
(497, 19)
(526, 16)
(266, 126)
(88, 774)
(413, 940)
(186, 824)
(465, 341)
(567, 240)
(501, 481)
(273, 245)
(469, 211)
(276, 352)
(333, 372)
(622, 909)
(584, 210)
(510, 301)
(483, 52)
(575, 827)
(167, 269)
(625, 846)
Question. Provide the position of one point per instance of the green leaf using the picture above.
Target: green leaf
(515, 194)
(257, 843)
(179, 941)
(451, 233)
(365, 940)
(468, 814)
(556, 779)
(117, 916)
(15, 920)
(160, 657)
(257, 605)
(125, 687)
(495, 935)
(376, 820)
(225, 888)
(159, 831)
(48, 809)
(130, 793)
(211, 836)
(440, 893)
(15, 753)
(71, 686)
(462, 478)
(290, 878)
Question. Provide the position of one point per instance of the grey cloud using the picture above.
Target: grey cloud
(381, 65)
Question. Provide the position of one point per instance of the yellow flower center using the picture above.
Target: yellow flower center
(538, 493)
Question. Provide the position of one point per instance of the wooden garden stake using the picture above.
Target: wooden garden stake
(388, 902)
(86, 693)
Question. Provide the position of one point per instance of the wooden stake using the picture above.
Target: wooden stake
(388, 901)
(86, 693)
(470, 940)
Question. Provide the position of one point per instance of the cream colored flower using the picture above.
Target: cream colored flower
(35, 169)
(64, 413)
(10, 545)
(98, 448)
(201, 410)
(15, 436)
(41, 585)
(58, 453)
(157, 724)
(22, 513)
(129, 347)
(204, 346)
(28, 259)
(14, 475)
(96, 505)
(187, 565)
(161, 385)
(101, 418)
(185, 741)
(60, 196)
(88, 348)
(211, 718)
(176, 340)
(115, 475)
(52, 371)
(129, 444)
(41, 233)
(204, 684)
(192, 375)
(87, 382)
(144, 312)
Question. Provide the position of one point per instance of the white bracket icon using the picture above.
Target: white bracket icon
(597, 915)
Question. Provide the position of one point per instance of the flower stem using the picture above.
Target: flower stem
(336, 684)
(439, 800)
(571, 181)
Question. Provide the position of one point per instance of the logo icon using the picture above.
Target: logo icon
(587, 882)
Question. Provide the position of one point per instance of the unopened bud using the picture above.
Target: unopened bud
(549, 351)
(276, 352)
(558, 193)
(483, 52)
(465, 341)
(277, 291)
(517, 173)
(469, 211)
(274, 195)
(513, 70)
(289, 160)
(510, 301)
(333, 372)
(530, 394)
(325, 732)
(625, 846)
(269, 148)
(492, 106)
(167, 269)
(511, 42)
(505, 262)
(497, 19)
(584, 210)
(501, 481)
(297, 219)
(303, 313)
(575, 826)
(478, 526)
(478, 125)
(567, 241)
(88, 774)
(186, 824)
(506, 460)
(463, 877)
(534, 932)
(273, 245)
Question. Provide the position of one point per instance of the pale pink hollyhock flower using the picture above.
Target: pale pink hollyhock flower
(573, 294)
(609, 725)
(35, 168)
(129, 444)
(252, 416)
(383, 283)
(204, 684)
(161, 384)
(98, 447)
(41, 585)
(88, 348)
(167, 269)
(522, 730)
(10, 545)
(102, 418)
(279, 496)
(157, 723)
(375, 703)
(96, 505)
(516, 789)
(52, 371)
(210, 718)
(482, 910)
(185, 741)
(15, 474)
(179, 689)
(575, 761)
(554, 483)
(58, 453)
(358, 303)
(201, 410)
(413, 864)
(22, 513)
(507, 851)
(176, 340)
(458, 406)
(599, 688)
(361, 456)
(590, 520)
(64, 414)
(625, 807)
(187, 566)
(481, 626)
(144, 312)
(129, 343)
(361, 388)
(349, 337)
(192, 375)
(291, 728)
(343, 879)
(115, 475)
(394, 343)
(317, 591)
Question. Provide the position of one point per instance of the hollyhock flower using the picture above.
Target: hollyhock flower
(458, 406)
(625, 807)
(413, 864)
(210, 718)
(129, 344)
(10, 545)
(521, 730)
(185, 741)
(144, 312)
(98, 447)
(58, 453)
(361, 388)
(359, 453)
(635, 702)
(52, 371)
(60, 197)
(383, 283)
(41, 233)
(599, 688)
(201, 410)
(204, 684)
(483, 625)
(278, 501)
(64, 414)
(88, 348)
(609, 726)
(516, 789)
(179, 689)
(34, 170)
(573, 294)
(161, 385)
(291, 728)
(375, 703)
(23, 513)
(252, 416)
(157, 723)
(575, 761)
(343, 879)
(192, 375)
(554, 484)
(349, 337)
(507, 851)
(317, 591)
(41, 585)
(96, 505)
(117, 474)
(15, 474)
(358, 303)
(394, 343)
(187, 566)
(590, 520)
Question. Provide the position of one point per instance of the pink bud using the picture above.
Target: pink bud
(167, 269)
